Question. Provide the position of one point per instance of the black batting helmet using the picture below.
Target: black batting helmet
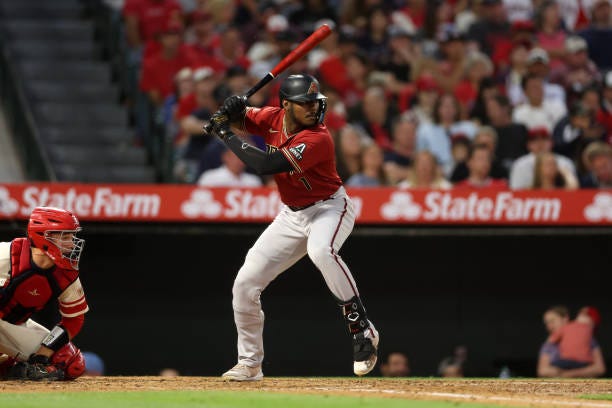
(303, 88)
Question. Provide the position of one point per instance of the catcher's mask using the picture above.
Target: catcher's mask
(53, 230)
(303, 88)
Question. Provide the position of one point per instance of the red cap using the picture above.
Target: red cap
(426, 83)
(459, 137)
(539, 133)
(594, 315)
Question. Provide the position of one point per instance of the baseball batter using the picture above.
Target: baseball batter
(33, 272)
(316, 219)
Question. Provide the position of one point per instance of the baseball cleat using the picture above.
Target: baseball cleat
(241, 372)
(365, 351)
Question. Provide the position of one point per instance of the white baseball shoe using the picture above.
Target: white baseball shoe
(241, 372)
(365, 350)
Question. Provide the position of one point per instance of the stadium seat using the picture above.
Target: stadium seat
(51, 91)
(55, 70)
(71, 114)
(96, 155)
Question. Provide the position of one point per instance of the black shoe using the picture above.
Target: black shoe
(35, 372)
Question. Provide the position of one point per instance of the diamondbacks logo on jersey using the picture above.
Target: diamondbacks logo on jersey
(313, 88)
(298, 150)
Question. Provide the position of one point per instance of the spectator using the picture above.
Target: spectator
(578, 71)
(537, 111)
(511, 140)
(479, 168)
(517, 69)
(374, 40)
(523, 169)
(555, 318)
(492, 29)
(436, 137)
(183, 85)
(230, 174)
(604, 115)
(574, 340)
(395, 365)
(158, 71)
(375, 114)
(518, 10)
(548, 175)
(205, 40)
(599, 34)
(371, 173)
(348, 151)
(94, 365)
(487, 89)
(478, 67)
(169, 372)
(425, 173)
(598, 161)
(426, 98)
(550, 34)
(403, 54)
(486, 137)
(574, 132)
(400, 157)
(450, 69)
(575, 13)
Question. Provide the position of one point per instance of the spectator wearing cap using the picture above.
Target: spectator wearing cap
(493, 27)
(479, 162)
(550, 35)
(426, 96)
(578, 71)
(538, 63)
(523, 169)
(145, 19)
(599, 34)
(158, 71)
(555, 318)
(403, 54)
(574, 132)
(192, 115)
(436, 137)
(231, 173)
(204, 40)
(511, 137)
(450, 69)
(597, 158)
(265, 53)
(538, 111)
(549, 176)
(486, 137)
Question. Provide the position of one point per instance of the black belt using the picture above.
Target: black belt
(294, 208)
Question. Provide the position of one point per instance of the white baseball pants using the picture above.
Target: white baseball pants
(21, 341)
(319, 231)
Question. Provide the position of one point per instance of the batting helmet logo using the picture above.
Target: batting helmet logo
(313, 88)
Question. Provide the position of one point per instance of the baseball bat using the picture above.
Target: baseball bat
(298, 52)
(302, 49)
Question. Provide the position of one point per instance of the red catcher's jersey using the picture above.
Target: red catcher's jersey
(26, 289)
(310, 152)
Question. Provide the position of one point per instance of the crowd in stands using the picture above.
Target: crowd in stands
(438, 93)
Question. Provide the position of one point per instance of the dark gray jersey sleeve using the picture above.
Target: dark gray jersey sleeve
(257, 159)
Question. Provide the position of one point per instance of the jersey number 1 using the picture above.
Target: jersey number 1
(306, 183)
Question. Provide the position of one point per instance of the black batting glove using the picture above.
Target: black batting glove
(219, 124)
(235, 107)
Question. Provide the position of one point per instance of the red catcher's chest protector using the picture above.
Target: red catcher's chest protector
(29, 289)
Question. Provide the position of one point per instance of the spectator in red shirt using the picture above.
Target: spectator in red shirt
(575, 338)
(157, 78)
(144, 19)
(479, 166)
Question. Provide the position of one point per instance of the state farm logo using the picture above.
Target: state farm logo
(600, 209)
(401, 206)
(8, 205)
(444, 206)
(235, 204)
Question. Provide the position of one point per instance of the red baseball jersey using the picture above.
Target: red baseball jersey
(310, 152)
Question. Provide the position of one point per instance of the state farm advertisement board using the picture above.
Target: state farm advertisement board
(180, 203)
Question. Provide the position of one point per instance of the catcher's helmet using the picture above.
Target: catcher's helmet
(303, 88)
(49, 229)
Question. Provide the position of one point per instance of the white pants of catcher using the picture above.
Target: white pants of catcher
(21, 341)
(319, 231)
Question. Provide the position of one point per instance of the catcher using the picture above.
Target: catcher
(33, 272)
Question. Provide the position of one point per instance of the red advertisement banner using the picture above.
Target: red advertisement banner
(181, 203)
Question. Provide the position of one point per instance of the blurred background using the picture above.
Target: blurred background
(453, 95)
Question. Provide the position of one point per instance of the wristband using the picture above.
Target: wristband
(56, 339)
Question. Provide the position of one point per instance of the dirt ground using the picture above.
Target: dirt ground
(523, 392)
